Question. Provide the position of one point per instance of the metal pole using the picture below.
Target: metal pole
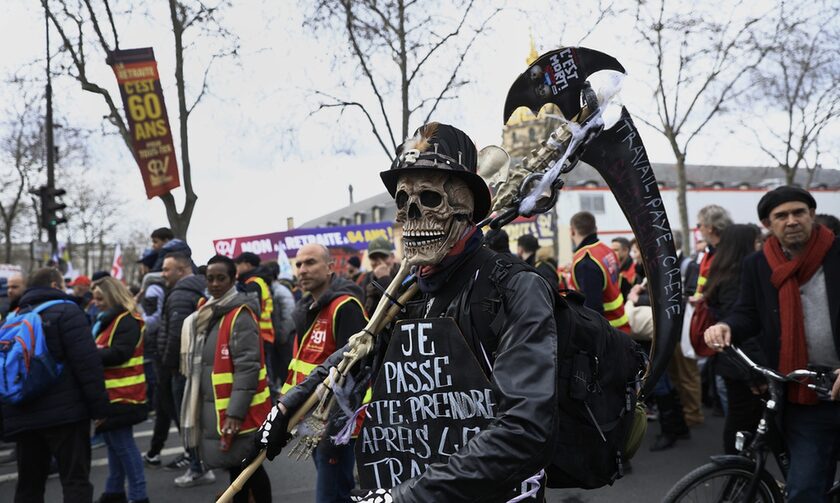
(51, 229)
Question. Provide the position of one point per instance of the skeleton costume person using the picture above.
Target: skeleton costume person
(511, 347)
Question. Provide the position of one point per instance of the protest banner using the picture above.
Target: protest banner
(352, 238)
(145, 111)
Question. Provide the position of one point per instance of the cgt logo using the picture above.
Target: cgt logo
(226, 248)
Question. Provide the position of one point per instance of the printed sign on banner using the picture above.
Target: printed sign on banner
(142, 95)
(429, 400)
(352, 238)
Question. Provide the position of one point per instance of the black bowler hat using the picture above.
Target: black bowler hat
(445, 149)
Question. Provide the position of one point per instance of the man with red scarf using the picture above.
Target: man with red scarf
(790, 295)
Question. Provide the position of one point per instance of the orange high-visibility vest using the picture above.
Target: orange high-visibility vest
(222, 378)
(266, 308)
(317, 343)
(611, 296)
(126, 382)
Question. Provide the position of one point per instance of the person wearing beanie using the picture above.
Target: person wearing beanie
(790, 301)
(440, 199)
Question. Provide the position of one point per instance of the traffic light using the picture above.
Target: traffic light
(50, 206)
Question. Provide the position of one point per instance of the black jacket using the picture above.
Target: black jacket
(590, 277)
(181, 301)
(79, 394)
(521, 440)
(757, 309)
(126, 334)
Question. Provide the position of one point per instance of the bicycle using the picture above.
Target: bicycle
(744, 477)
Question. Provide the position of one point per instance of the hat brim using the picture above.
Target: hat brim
(479, 189)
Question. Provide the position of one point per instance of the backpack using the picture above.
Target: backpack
(601, 423)
(26, 366)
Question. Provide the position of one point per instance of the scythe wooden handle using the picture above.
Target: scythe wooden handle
(385, 316)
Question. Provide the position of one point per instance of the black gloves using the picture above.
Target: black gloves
(371, 496)
(273, 434)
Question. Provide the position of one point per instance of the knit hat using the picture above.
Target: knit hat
(442, 148)
(781, 195)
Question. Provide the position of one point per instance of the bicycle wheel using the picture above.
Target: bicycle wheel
(717, 483)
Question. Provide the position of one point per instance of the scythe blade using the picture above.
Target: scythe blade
(557, 77)
(619, 155)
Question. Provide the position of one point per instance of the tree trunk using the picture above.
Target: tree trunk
(790, 174)
(7, 234)
(683, 206)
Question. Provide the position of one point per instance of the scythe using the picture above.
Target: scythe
(618, 154)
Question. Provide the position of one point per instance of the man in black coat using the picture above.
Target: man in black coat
(57, 423)
(515, 350)
(790, 298)
(182, 298)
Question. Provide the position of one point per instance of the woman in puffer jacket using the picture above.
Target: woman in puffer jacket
(118, 333)
(227, 395)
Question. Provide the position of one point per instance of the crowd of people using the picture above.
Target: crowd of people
(210, 348)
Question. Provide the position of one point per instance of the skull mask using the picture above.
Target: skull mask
(434, 210)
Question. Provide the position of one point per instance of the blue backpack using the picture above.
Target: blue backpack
(26, 366)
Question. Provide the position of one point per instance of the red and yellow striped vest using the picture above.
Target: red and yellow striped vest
(266, 308)
(126, 383)
(222, 378)
(317, 343)
(705, 266)
(611, 296)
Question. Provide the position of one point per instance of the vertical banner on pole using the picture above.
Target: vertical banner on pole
(142, 95)
(117, 264)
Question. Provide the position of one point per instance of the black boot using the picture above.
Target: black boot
(671, 421)
(112, 498)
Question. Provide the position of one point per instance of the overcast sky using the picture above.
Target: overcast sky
(258, 158)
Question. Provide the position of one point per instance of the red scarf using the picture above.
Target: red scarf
(787, 276)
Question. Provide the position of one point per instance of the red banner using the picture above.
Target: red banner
(142, 95)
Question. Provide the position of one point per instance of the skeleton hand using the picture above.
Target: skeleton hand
(371, 496)
(273, 434)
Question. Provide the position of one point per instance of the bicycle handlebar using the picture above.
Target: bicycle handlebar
(796, 376)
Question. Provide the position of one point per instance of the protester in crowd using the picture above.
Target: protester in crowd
(743, 407)
(383, 269)
(672, 425)
(621, 247)
(788, 300)
(160, 237)
(636, 257)
(711, 221)
(325, 318)
(526, 248)
(497, 240)
(151, 297)
(546, 266)
(595, 271)
(15, 286)
(4, 298)
(81, 291)
(57, 423)
(99, 275)
(118, 334)
(254, 279)
(182, 299)
(829, 221)
(354, 268)
(284, 325)
(227, 394)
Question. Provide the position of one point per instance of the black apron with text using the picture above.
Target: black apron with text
(430, 398)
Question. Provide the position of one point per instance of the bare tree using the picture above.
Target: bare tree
(93, 212)
(700, 57)
(21, 158)
(800, 80)
(74, 21)
(414, 50)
